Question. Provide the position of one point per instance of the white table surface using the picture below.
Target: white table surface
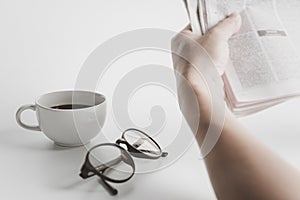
(43, 45)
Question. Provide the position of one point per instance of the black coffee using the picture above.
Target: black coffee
(70, 106)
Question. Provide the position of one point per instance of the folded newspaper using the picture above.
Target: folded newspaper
(264, 66)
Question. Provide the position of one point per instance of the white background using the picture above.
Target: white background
(42, 46)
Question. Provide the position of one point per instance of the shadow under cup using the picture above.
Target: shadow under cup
(69, 118)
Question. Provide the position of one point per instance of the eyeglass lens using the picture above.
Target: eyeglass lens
(141, 142)
(111, 162)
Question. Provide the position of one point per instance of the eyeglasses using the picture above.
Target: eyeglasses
(112, 163)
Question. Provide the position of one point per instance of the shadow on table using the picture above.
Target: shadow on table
(58, 168)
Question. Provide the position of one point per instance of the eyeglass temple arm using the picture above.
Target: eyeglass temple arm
(140, 141)
(111, 190)
(86, 173)
(109, 164)
(163, 154)
(106, 185)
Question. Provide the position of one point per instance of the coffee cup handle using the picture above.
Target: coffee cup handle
(19, 121)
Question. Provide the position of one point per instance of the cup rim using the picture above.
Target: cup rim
(69, 110)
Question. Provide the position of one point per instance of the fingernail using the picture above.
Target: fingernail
(233, 15)
(236, 17)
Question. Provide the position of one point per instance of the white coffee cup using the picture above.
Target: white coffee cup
(67, 127)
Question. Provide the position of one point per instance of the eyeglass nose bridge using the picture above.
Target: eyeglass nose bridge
(121, 141)
(132, 150)
(128, 146)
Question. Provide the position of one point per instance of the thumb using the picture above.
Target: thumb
(227, 27)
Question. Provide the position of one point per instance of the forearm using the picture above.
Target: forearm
(240, 167)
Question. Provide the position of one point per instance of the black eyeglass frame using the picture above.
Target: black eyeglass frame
(136, 152)
(88, 170)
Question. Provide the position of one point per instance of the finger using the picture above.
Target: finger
(186, 32)
(227, 27)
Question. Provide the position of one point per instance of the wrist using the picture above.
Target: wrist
(213, 122)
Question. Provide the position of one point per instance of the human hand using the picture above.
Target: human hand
(215, 41)
(201, 55)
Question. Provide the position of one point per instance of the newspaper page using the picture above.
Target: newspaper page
(264, 60)
(192, 7)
